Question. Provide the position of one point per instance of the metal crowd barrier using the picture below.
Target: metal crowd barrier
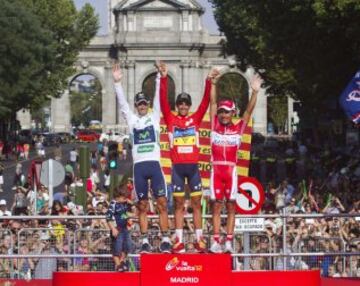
(87, 248)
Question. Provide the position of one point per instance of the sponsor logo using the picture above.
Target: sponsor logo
(185, 149)
(225, 140)
(145, 148)
(184, 132)
(145, 135)
(172, 264)
(182, 265)
(184, 136)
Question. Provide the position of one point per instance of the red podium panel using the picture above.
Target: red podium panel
(185, 269)
(96, 279)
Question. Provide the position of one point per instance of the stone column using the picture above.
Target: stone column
(260, 112)
(60, 113)
(109, 103)
(131, 82)
(24, 118)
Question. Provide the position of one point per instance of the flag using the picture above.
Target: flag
(350, 99)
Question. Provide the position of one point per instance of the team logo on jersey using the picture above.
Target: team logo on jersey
(225, 140)
(184, 136)
(145, 135)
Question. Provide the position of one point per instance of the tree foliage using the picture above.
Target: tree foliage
(278, 111)
(308, 49)
(234, 86)
(40, 45)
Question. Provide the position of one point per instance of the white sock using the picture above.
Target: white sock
(179, 234)
(145, 240)
(198, 233)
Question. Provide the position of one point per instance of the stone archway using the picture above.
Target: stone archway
(148, 87)
(85, 95)
(233, 85)
(60, 107)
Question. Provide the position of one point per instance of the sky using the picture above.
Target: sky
(101, 6)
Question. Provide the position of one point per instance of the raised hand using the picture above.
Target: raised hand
(117, 73)
(214, 75)
(256, 82)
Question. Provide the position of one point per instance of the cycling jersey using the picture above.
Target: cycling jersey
(183, 130)
(144, 130)
(225, 142)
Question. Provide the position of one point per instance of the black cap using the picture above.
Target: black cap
(139, 97)
(183, 97)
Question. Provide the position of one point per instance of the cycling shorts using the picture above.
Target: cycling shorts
(223, 182)
(179, 173)
(145, 171)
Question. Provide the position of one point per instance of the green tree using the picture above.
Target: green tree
(40, 41)
(278, 113)
(26, 57)
(308, 49)
(234, 86)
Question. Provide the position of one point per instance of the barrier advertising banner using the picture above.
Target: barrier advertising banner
(185, 269)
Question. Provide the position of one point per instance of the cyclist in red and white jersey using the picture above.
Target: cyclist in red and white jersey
(225, 142)
(184, 152)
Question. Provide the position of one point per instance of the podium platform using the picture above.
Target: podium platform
(244, 278)
(188, 269)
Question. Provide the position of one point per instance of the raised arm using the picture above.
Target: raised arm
(156, 102)
(124, 108)
(255, 84)
(200, 112)
(213, 76)
(164, 103)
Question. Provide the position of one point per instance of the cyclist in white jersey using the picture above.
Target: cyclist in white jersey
(144, 130)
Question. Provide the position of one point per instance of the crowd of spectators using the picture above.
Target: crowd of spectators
(297, 178)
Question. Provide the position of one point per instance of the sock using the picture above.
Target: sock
(217, 238)
(179, 234)
(229, 237)
(198, 234)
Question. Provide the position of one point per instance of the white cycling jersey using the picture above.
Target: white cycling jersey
(144, 130)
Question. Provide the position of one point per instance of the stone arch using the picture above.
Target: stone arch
(88, 70)
(232, 82)
(92, 99)
(148, 84)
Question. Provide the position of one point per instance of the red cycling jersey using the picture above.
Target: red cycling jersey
(183, 130)
(225, 142)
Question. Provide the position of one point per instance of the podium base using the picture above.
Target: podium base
(243, 278)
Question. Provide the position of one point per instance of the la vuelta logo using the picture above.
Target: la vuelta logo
(181, 265)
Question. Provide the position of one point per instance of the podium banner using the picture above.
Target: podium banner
(185, 269)
(205, 151)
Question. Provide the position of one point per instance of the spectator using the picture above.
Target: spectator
(3, 209)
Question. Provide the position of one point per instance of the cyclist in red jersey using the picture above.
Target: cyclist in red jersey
(225, 142)
(184, 152)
